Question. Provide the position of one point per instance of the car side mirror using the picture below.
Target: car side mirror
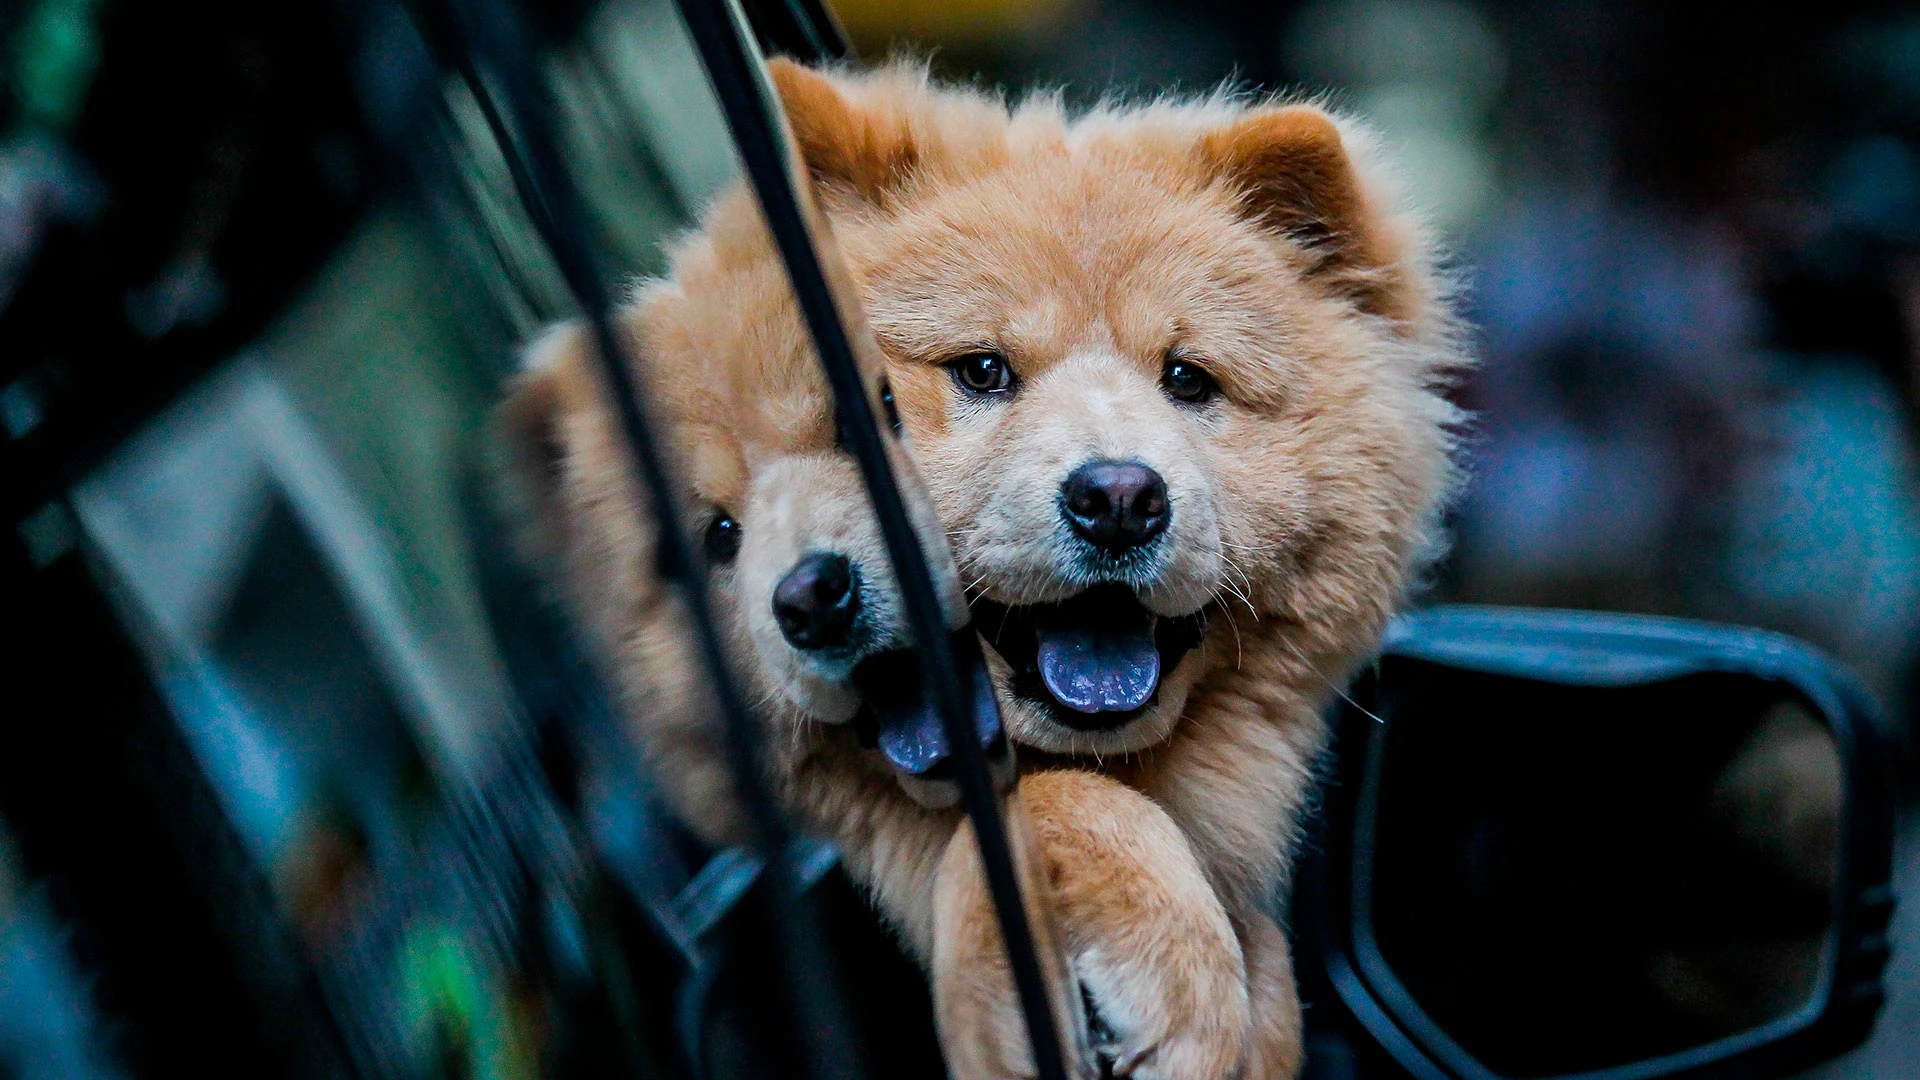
(1563, 844)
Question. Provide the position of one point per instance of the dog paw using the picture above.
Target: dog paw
(1186, 1054)
(1189, 1023)
(1160, 962)
(1152, 975)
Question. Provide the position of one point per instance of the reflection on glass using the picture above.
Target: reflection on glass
(1567, 879)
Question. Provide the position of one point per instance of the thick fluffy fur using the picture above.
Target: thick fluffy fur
(1258, 241)
(1251, 239)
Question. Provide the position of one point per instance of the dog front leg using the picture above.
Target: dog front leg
(983, 1033)
(1147, 935)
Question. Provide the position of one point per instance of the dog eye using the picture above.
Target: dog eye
(982, 373)
(1188, 381)
(722, 539)
(887, 406)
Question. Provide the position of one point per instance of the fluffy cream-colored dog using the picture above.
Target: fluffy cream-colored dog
(1175, 376)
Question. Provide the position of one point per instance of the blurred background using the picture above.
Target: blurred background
(245, 363)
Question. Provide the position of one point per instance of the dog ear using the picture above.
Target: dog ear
(1298, 180)
(531, 439)
(867, 148)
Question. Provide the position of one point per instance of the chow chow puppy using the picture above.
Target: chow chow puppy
(1175, 375)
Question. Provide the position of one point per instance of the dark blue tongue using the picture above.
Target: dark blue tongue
(1097, 654)
(909, 733)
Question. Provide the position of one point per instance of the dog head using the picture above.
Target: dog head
(1173, 372)
(796, 570)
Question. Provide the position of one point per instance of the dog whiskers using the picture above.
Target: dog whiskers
(1239, 594)
(1240, 589)
(1339, 691)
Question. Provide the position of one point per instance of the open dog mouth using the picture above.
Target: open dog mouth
(899, 717)
(1094, 661)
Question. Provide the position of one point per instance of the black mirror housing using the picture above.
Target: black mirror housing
(1611, 847)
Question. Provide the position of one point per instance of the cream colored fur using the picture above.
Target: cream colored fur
(1254, 239)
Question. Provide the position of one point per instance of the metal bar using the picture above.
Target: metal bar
(737, 77)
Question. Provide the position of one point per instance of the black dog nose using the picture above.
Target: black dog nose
(816, 602)
(1118, 505)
